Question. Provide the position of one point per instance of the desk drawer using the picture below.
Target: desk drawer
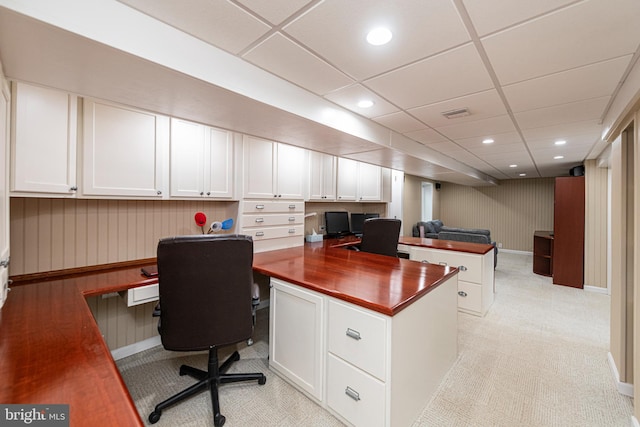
(142, 295)
(470, 265)
(259, 220)
(353, 394)
(274, 232)
(469, 297)
(266, 206)
(358, 337)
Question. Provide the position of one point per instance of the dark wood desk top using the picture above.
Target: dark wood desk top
(447, 245)
(380, 283)
(51, 350)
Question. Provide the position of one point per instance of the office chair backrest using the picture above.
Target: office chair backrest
(380, 236)
(205, 290)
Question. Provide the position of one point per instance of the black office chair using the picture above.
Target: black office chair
(380, 236)
(205, 302)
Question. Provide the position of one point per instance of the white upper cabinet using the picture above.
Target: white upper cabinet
(201, 162)
(369, 183)
(347, 180)
(322, 176)
(124, 151)
(273, 170)
(43, 141)
(363, 182)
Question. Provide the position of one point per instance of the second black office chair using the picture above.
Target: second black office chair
(205, 302)
(380, 236)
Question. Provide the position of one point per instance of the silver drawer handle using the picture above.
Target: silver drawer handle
(260, 233)
(424, 261)
(292, 206)
(443, 263)
(259, 206)
(462, 268)
(292, 230)
(352, 333)
(352, 393)
(292, 218)
(462, 293)
(259, 219)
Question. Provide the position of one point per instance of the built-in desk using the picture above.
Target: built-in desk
(52, 352)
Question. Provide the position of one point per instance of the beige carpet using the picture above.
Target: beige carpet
(538, 358)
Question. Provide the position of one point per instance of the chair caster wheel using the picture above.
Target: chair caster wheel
(235, 356)
(154, 417)
(262, 380)
(218, 420)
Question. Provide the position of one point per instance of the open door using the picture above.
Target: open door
(5, 99)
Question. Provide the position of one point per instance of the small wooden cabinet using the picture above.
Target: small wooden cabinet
(543, 253)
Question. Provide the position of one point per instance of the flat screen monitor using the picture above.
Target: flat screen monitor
(336, 223)
(357, 221)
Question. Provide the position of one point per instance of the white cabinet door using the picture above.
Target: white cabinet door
(322, 176)
(43, 141)
(187, 159)
(296, 336)
(219, 169)
(291, 162)
(347, 182)
(201, 161)
(4, 189)
(369, 182)
(123, 151)
(259, 168)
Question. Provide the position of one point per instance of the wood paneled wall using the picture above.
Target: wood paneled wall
(596, 217)
(512, 210)
(54, 234)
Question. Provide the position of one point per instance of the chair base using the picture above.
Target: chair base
(210, 379)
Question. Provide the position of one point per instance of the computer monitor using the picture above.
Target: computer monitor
(336, 223)
(357, 221)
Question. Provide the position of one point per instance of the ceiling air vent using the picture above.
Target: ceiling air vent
(457, 113)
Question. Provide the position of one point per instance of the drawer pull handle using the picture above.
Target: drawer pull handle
(443, 263)
(462, 268)
(462, 293)
(352, 393)
(292, 206)
(259, 219)
(424, 261)
(260, 233)
(353, 334)
(292, 230)
(259, 206)
(292, 218)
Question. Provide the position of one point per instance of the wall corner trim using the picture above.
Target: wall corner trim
(623, 388)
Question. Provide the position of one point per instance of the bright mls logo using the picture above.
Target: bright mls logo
(34, 415)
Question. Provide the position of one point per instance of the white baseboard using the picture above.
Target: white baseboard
(128, 350)
(596, 289)
(634, 421)
(623, 388)
(513, 251)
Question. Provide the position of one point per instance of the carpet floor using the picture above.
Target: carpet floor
(538, 358)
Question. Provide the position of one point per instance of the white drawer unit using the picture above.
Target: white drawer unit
(272, 224)
(475, 277)
(376, 370)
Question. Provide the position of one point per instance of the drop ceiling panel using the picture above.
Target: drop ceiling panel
(589, 109)
(219, 22)
(348, 97)
(480, 105)
(522, 52)
(582, 131)
(337, 31)
(479, 128)
(401, 122)
(458, 72)
(499, 140)
(492, 15)
(283, 57)
(274, 11)
(591, 81)
(426, 136)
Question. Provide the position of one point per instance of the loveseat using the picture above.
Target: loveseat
(437, 230)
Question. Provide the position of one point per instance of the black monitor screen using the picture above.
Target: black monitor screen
(336, 222)
(357, 222)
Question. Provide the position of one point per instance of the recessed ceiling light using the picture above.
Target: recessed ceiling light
(379, 36)
(560, 142)
(365, 103)
(522, 174)
(513, 166)
(558, 157)
(487, 141)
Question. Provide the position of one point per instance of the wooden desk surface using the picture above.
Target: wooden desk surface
(380, 283)
(51, 350)
(447, 245)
